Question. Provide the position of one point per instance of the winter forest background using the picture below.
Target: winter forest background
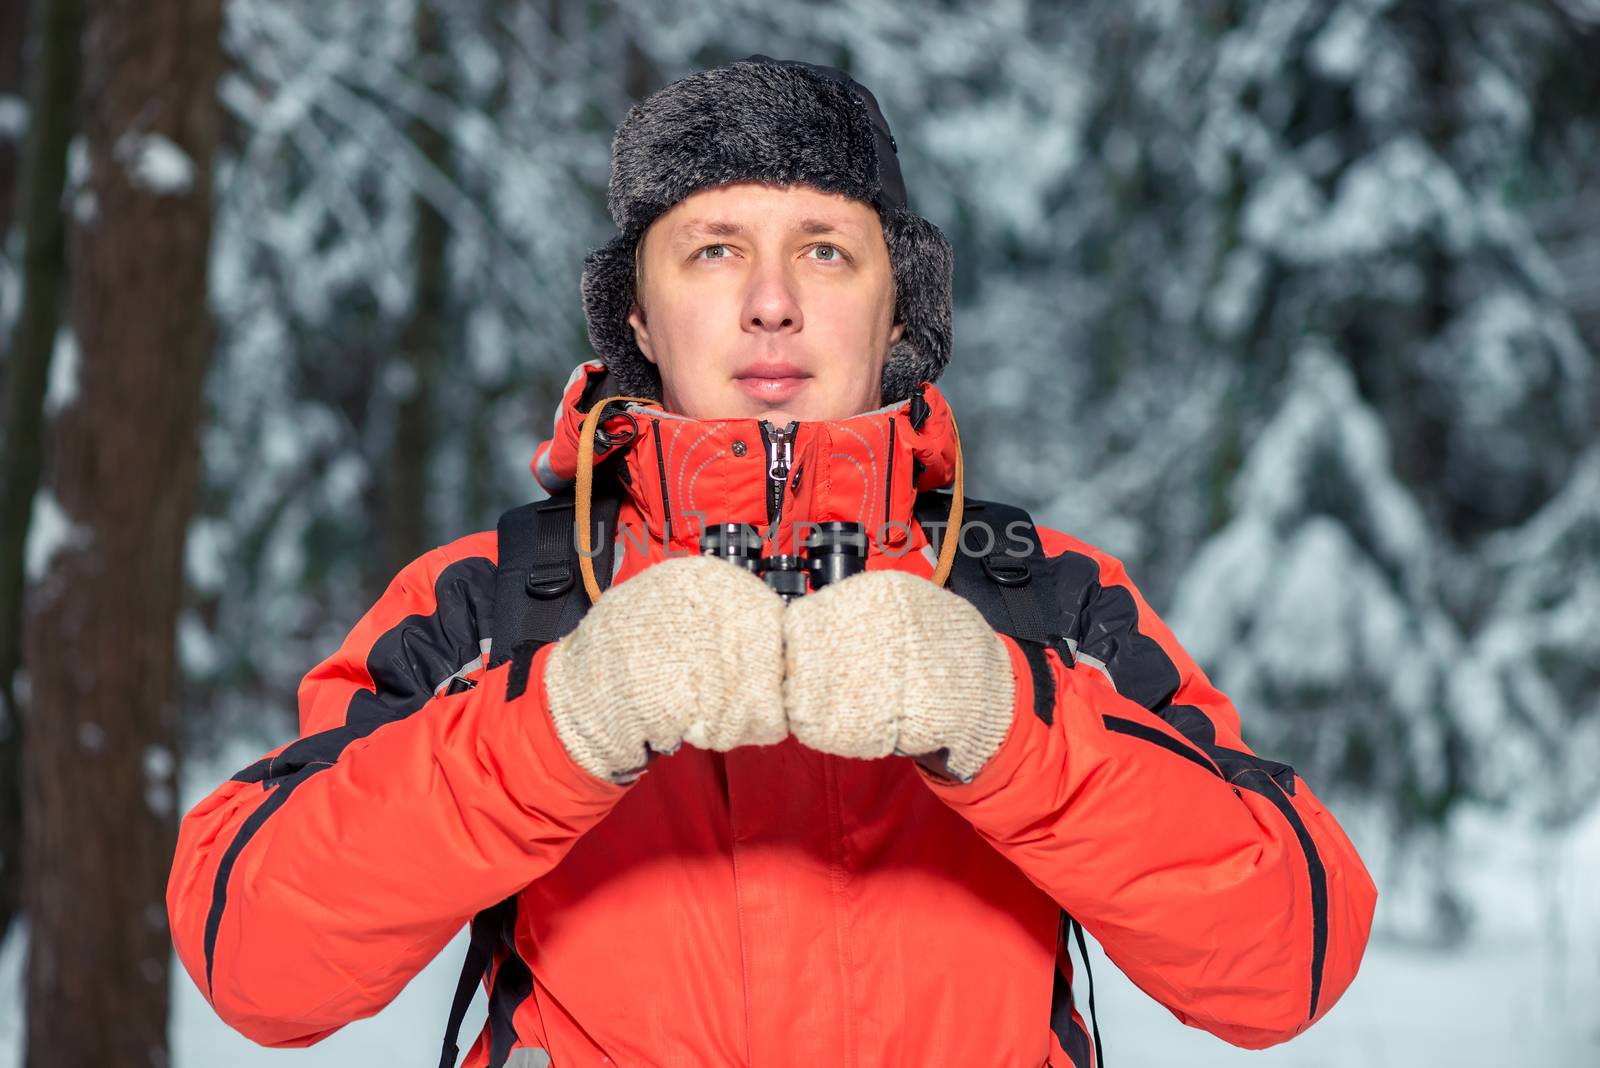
(1293, 305)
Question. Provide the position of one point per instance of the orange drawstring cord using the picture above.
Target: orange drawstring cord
(585, 489)
(952, 532)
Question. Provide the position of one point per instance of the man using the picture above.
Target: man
(706, 826)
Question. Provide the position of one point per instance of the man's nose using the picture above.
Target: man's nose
(771, 304)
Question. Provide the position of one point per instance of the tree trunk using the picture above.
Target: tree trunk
(99, 749)
(423, 338)
(52, 100)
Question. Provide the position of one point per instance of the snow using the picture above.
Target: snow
(85, 207)
(1341, 46)
(51, 530)
(159, 764)
(155, 163)
(1318, 599)
(77, 162)
(343, 483)
(13, 117)
(1385, 200)
(1544, 612)
(198, 651)
(61, 388)
(1235, 297)
(205, 554)
(1495, 97)
(1585, 10)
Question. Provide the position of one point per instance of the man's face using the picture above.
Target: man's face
(768, 302)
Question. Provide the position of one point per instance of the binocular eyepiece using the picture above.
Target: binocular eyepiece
(833, 551)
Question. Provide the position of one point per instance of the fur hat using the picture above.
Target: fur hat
(781, 122)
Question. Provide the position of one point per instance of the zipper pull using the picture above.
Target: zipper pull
(780, 456)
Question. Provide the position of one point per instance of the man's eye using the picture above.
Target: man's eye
(833, 252)
(705, 252)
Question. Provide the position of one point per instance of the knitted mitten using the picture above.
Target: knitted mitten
(688, 650)
(887, 662)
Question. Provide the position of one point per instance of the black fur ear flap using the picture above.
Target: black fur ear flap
(923, 273)
(607, 288)
(782, 123)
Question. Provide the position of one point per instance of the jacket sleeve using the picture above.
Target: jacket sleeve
(309, 888)
(1212, 877)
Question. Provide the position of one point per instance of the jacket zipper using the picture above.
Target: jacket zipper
(780, 455)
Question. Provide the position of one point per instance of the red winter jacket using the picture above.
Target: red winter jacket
(772, 905)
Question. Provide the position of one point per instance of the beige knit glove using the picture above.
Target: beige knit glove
(887, 662)
(688, 650)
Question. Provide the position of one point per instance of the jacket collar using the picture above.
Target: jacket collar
(683, 474)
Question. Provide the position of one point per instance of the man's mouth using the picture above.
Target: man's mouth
(773, 381)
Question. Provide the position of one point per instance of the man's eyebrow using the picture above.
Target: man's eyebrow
(691, 229)
(709, 228)
(823, 226)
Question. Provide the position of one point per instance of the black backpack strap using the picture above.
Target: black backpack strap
(539, 595)
(1099, 1053)
(538, 598)
(1000, 564)
(480, 954)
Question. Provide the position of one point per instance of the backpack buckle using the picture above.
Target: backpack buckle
(546, 585)
(1007, 570)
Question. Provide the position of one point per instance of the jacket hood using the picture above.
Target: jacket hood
(683, 474)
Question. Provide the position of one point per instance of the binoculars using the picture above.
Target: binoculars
(833, 551)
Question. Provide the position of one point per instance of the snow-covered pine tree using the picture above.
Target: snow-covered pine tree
(1373, 146)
